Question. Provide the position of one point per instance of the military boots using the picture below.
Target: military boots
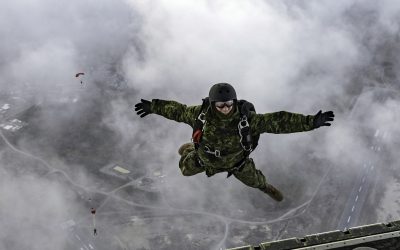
(272, 192)
(189, 145)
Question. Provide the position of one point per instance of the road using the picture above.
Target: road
(366, 176)
(358, 195)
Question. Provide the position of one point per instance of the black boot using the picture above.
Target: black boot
(272, 192)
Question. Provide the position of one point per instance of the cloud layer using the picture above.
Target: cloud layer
(298, 56)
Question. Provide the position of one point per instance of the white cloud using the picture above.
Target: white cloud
(280, 55)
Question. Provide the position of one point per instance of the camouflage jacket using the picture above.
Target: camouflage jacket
(221, 131)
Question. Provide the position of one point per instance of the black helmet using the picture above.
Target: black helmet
(222, 92)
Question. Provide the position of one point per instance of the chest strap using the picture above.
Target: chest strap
(245, 135)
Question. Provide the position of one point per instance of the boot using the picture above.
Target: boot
(184, 147)
(272, 192)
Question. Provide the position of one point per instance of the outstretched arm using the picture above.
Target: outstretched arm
(169, 109)
(285, 122)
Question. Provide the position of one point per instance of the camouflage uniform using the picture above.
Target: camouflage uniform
(221, 133)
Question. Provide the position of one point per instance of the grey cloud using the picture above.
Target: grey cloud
(282, 55)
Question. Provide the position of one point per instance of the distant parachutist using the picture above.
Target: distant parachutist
(79, 74)
(93, 211)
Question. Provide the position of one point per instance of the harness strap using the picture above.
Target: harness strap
(199, 124)
(209, 150)
(245, 136)
(237, 167)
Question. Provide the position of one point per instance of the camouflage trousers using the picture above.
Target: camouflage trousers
(249, 175)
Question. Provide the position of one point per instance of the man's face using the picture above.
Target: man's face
(224, 107)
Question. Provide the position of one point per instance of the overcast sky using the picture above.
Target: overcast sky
(298, 56)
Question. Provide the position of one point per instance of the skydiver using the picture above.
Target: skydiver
(226, 131)
(93, 211)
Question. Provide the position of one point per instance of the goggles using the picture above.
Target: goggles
(223, 104)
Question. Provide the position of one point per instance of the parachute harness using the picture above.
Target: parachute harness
(199, 125)
(246, 140)
(216, 152)
(244, 132)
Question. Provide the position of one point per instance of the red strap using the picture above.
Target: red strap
(197, 135)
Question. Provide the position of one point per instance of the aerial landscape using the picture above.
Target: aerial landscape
(80, 170)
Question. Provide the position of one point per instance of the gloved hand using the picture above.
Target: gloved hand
(322, 119)
(143, 108)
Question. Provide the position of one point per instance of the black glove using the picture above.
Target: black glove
(143, 108)
(322, 119)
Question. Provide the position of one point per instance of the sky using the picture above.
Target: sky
(298, 56)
